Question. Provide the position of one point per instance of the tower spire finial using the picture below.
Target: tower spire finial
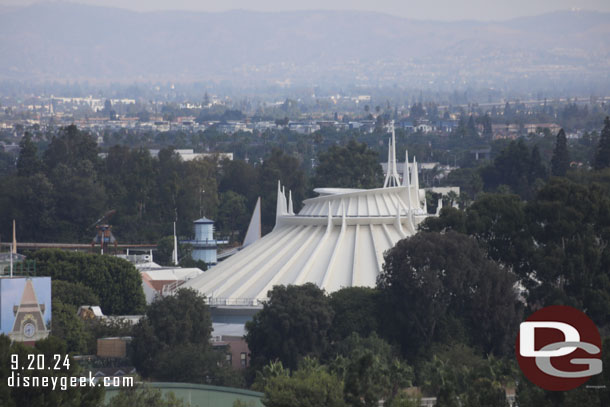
(405, 171)
(392, 178)
(290, 206)
(280, 208)
(415, 175)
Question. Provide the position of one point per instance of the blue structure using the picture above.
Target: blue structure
(205, 246)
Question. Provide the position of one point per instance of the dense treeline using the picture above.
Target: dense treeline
(523, 166)
(59, 195)
(114, 282)
(170, 343)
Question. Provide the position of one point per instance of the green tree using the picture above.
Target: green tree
(484, 393)
(129, 179)
(370, 369)
(294, 323)
(510, 167)
(71, 148)
(449, 219)
(309, 386)
(571, 258)
(197, 193)
(165, 248)
(441, 288)
(69, 327)
(75, 294)
(31, 202)
(28, 162)
(457, 375)
(351, 166)
(537, 170)
(560, 163)
(471, 128)
(232, 214)
(468, 179)
(356, 310)
(602, 153)
(172, 341)
(240, 177)
(487, 127)
(115, 281)
(499, 224)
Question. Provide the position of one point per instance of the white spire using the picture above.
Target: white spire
(415, 182)
(415, 175)
(405, 171)
(175, 251)
(254, 228)
(290, 207)
(388, 170)
(284, 203)
(392, 178)
(405, 180)
(281, 203)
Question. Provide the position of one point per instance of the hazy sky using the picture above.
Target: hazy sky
(421, 9)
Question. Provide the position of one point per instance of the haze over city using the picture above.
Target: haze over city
(446, 10)
(558, 52)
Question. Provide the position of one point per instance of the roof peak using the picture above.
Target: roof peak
(203, 220)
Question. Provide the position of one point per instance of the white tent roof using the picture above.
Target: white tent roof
(337, 240)
(331, 251)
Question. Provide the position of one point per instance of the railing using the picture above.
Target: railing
(168, 289)
(233, 301)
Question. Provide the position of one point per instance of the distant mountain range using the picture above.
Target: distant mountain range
(60, 41)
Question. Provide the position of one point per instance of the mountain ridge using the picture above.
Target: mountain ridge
(66, 41)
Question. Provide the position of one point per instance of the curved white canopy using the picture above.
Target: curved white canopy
(337, 240)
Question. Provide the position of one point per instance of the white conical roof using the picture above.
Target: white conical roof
(337, 240)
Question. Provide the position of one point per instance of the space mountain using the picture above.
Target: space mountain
(337, 240)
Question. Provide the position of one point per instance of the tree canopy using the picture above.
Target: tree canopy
(356, 310)
(442, 288)
(602, 153)
(294, 323)
(560, 163)
(115, 281)
(311, 385)
(351, 166)
(172, 341)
